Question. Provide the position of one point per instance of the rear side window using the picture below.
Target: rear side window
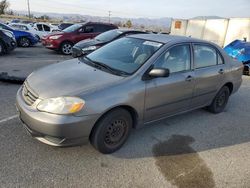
(102, 28)
(89, 29)
(204, 56)
(46, 28)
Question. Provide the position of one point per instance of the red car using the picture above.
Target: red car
(65, 40)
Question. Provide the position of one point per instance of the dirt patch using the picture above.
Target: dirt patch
(181, 165)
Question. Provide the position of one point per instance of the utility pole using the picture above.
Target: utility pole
(109, 15)
(28, 2)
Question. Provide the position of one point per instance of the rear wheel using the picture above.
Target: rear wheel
(220, 101)
(2, 48)
(24, 42)
(66, 48)
(112, 131)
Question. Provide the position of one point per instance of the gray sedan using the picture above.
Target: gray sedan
(126, 84)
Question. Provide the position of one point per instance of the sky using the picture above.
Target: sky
(140, 8)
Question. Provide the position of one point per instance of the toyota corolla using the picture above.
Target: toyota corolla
(126, 84)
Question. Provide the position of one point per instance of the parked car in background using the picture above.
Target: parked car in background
(28, 28)
(45, 28)
(128, 83)
(23, 38)
(15, 21)
(65, 40)
(89, 45)
(240, 50)
(7, 41)
(63, 26)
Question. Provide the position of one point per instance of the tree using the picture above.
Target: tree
(129, 24)
(4, 5)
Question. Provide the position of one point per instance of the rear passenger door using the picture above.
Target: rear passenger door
(209, 70)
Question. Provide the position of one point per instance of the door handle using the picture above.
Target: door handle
(189, 78)
(221, 71)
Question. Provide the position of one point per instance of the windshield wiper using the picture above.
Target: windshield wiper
(100, 65)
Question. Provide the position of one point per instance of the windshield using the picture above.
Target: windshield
(72, 28)
(108, 36)
(125, 55)
(3, 26)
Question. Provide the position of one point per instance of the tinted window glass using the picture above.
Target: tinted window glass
(204, 56)
(39, 27)
(176, 59)
(89, 29)
(125, 54)
(46, 28)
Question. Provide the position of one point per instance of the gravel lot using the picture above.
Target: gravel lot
(196, 149)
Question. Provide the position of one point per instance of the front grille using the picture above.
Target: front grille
(29, 96)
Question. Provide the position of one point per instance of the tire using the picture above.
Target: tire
(2, 48)
(112, 131)
(66, 48)
(24, 42)
(220, 101)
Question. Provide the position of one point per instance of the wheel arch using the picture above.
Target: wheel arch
(131, 110)
(230, 86)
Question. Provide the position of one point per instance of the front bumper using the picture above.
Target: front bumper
(76, 52)
(51, 44)
(55, 130)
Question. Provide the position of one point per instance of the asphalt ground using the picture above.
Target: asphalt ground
(197, 149)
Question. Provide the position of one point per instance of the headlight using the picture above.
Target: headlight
(90, 48)
(9, 34)
(55, 37)
(61, 105)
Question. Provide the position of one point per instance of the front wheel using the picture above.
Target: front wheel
(66, 48)
(112, 131)
(220, 101)
(24, 42)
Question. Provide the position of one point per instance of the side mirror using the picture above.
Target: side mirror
(159, 72)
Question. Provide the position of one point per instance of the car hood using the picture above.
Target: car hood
(87, 43)
(69, 78)
(20, 32)
(56, 33)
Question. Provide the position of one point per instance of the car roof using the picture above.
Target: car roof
(163, 38)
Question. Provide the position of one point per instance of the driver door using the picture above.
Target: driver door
(167, 96)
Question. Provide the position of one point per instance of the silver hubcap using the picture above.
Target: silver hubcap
(67, 49)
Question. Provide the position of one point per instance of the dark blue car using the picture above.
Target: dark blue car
(240, 50)
(23, 38)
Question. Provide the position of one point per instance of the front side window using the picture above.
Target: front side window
(204, 56)
(125, 55)
(176, 59)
